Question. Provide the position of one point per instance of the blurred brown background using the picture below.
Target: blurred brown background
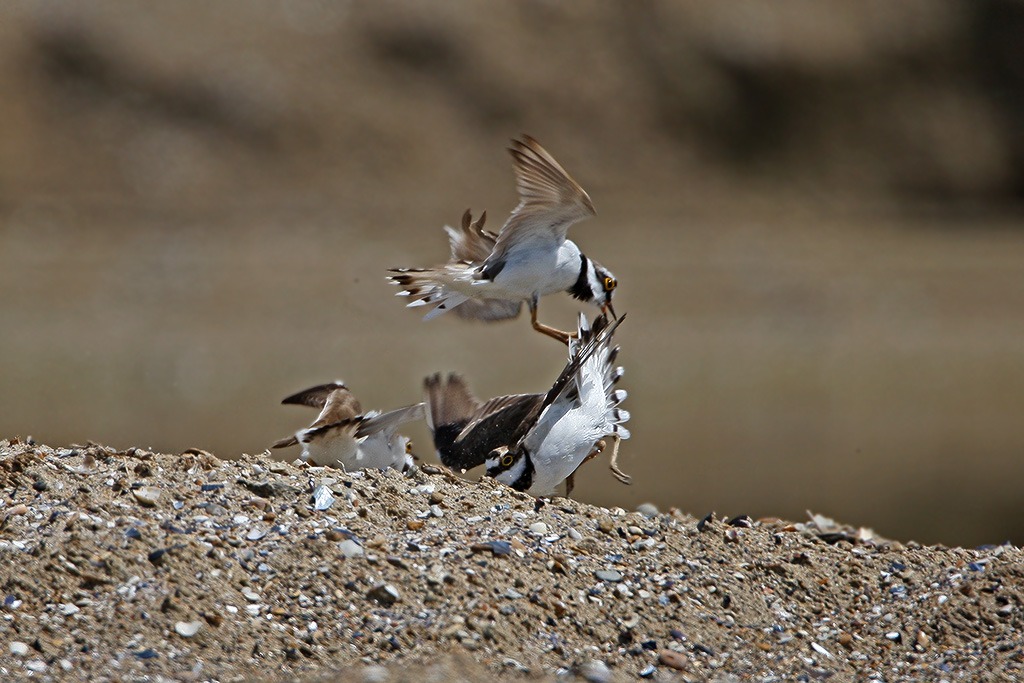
(813, 210)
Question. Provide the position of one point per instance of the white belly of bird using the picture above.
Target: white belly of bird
(377, 451)
(530, 271)
(336, 450)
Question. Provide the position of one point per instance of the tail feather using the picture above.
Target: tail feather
(437, 288)
(285, 443)
(601, 332)
(426, 287)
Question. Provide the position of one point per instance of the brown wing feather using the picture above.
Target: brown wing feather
(448, 402)
(550, 200)
(488, 309)
(471, 243)
(317, 397)
(542, 181)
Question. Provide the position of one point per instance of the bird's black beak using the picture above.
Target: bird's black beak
(607, 308)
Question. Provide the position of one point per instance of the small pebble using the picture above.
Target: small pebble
(609, 575)
(820, 650)
(648, 510)
(147, 495)
(495, 547)
(36, 665)
(18, 648)
(595, 671)
(187, 629)
(67, 609)
(384, 593)
(322, 498)
(672, 659)
(350, 548)
(538, 528)
(256, 534)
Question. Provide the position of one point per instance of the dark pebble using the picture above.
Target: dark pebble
(742, 521)
(384, 593)
(396, 561)
(211, 487)
(269, 489)
(157, 556)
(148, 653)
(495, 547)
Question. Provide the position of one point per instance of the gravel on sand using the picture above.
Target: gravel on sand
(136, 566)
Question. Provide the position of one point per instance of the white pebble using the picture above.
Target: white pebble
(147, 495)
(187, 629)
(68, 608)
(538, 528)
(18, 648)
(350, 548)
(820, 650)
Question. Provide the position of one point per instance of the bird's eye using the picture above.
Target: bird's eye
(408, 446)
(506, 460)
(609, 284)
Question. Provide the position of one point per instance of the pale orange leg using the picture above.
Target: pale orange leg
(561, 336)
(614, 464)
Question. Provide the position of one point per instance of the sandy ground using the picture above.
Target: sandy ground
(135, 566)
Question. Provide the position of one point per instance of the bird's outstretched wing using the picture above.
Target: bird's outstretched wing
(466, 430)
(549, 200)
(389, 421)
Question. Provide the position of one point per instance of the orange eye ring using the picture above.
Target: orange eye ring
(610, 284)
(506, 460)
(408, 446)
